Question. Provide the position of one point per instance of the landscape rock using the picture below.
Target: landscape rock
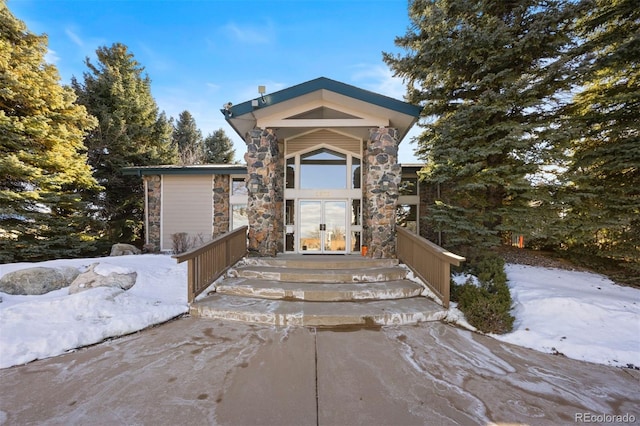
(37, 280)
(91, 279)
(121, 249)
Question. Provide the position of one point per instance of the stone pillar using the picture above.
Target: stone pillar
(381, 175)
(264, 182)
(153, 203)
(221, 185)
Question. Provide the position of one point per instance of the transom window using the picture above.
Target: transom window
(323, 168)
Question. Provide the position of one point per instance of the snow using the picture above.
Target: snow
(580, 315)
(36, 327)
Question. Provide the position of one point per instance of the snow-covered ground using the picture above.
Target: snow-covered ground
(580, 315)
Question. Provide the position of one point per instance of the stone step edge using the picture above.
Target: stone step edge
(320, 276)
(328, 320)
(321, 292)
(310, 262)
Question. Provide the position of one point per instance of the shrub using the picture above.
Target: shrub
(180, 242)
(486, 305)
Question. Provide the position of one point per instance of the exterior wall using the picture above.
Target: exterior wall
(265, 182)
(221, 213)
(187, 206)
(153, 204)
(380, 164)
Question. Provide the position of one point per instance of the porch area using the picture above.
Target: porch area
(319, 290)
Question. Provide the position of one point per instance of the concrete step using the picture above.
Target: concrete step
(319, 275)
(318, 314)
(319, 292)
(321, 262)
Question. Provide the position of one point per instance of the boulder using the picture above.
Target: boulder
(37, 280)
(91, 279)
(121, 249)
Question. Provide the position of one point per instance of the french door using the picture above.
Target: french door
(323, 226)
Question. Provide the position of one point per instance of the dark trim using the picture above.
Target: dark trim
(324, 83)
(212, 169)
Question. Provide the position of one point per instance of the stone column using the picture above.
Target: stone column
(264, 182)
(381, 175)
(221, 211)
(153, 186)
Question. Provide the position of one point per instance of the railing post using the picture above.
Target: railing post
(446, 284)
(191, 284)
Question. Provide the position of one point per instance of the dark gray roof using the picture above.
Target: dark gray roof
(331, 85)
(200, 169)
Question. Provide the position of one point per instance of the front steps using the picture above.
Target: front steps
(318, 291)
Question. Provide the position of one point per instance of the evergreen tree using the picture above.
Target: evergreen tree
(487, 73)
(188, 139)
(604, 175)
(44, 174)
(131, 132)
(218, 148)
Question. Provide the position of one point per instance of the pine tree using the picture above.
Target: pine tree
(218, 148)
(188, 139)
(131, 132)
(486, 73)
(604, 175)
(44, 175)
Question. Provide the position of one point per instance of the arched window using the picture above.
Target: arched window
(323, 168)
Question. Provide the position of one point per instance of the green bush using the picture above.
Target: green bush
(486, 305)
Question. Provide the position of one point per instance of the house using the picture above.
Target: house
(321, 176)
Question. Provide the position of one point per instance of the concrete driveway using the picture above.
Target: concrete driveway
(204, 372)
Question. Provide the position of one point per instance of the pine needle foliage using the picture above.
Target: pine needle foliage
(131, 132)
(487, 74)
(218, 148)
(187, 138)
(603, 180)
(44, 176)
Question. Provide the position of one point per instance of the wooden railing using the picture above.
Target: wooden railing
(428, 261)
(208, 262)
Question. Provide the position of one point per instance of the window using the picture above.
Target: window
(290, 177)
(323, 168)
(408, 186)
(238, 186)
(407, 216)
(239, 216)
(355, 173)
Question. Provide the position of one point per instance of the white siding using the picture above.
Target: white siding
(187, 206)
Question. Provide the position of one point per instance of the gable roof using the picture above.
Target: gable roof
(244, 117)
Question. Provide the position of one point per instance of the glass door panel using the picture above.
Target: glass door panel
(310, 220)
(323, 226)
(335, 238)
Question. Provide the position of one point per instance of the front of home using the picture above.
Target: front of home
(321, 177)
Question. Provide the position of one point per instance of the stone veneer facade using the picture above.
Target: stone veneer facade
(380, 165)
(221, 213)
(265, 169)
(153, 185)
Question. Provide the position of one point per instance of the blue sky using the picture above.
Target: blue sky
(200, 54)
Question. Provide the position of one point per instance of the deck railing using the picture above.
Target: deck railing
(208, 262)
(428, 261)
